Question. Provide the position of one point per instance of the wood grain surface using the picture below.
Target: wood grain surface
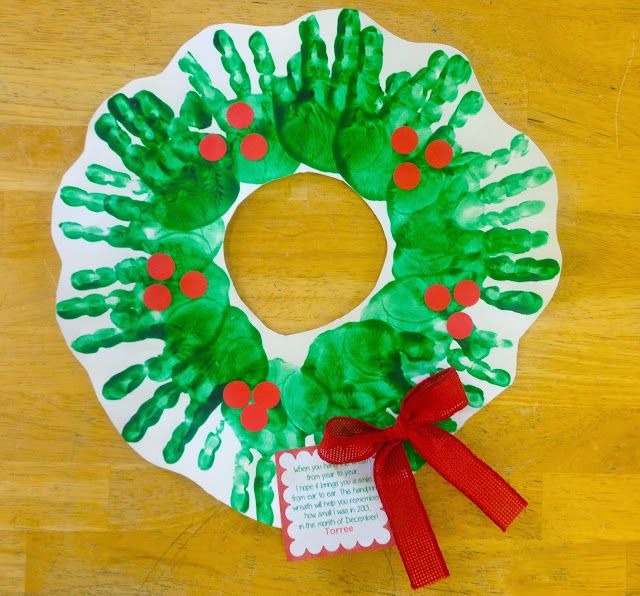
(81, 513)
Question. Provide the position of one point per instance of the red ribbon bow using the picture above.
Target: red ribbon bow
(348, 440)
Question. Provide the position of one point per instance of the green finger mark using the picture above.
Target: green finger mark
(240, 493)
(525, 269)
(232, 63)
(107, 177)
(207, 455)
(526, 303)
(265, 473)
(263, 61)
(150, 412)
(194, 112)
(469, 106)
(196, 415)
(123, 383)
(346, 50)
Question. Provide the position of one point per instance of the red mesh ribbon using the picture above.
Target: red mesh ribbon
(348, 440)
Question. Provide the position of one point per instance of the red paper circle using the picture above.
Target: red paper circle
(160, 266)
(239, 115)
(404, 139)
(466, 292)
(266, 394)
(254, 417)
(157, 297)
(193, 284)
(459, 325)
(236, 394)
(438, 154)
(254, 146)
(407, 176)
(437, 297)
(213, 147)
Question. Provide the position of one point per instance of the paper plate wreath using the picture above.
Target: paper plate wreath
(192, 379)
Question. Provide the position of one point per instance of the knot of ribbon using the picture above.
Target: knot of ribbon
(348, 440)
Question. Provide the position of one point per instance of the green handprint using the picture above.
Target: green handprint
(310, 100)
(364, 153)
(277, 162)
(185, 191)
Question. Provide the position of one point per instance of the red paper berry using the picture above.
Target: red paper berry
(193, 284)
(239, 115)
(236, 394)
(438, 154)
(157, 297)
(266, 394)
(254, 417)
(213, 147)
(459, 325)
(254, 146)
(404, 140)
(466, 292)
(437, 297)
(160, 266)
(407, 176)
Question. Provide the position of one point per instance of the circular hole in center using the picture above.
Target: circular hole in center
(303, 251)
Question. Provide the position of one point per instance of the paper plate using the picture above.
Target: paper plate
(191, 378)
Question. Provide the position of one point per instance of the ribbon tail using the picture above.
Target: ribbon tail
(408, 519)
(457, 464)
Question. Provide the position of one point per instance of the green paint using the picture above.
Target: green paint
(185, 191)
(526, 303)
(240, 494)
(277, 163)
(334, 118)
(265, 473)
(475, 395)
(207, 455)
(149, 413)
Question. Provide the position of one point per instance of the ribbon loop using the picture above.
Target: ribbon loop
(435, 398)
(352, 440)
(348, 440)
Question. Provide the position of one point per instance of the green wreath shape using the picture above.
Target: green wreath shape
(460, 222)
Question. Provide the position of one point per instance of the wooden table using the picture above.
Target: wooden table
(81, 513)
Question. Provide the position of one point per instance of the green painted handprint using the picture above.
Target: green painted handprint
(185, 191)
(414, 101)
(310, 100)
(210, 100)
